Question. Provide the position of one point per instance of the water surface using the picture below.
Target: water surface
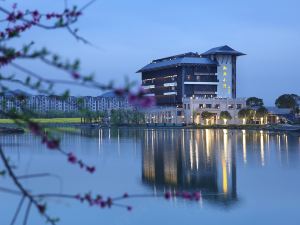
(246, 177)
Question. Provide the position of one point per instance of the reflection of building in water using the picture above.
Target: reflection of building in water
(191, 160)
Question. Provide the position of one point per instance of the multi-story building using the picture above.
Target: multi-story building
(43, 103)
(194, 107)
(207, 75)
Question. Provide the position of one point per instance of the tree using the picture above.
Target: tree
(286, 101)
(225, 116)
(254, 102)
(261, 113)
(205, 115)
(246, 115)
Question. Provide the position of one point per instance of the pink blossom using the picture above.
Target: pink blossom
(125, 195)
(72, 158)
(52, 144)
(167, 195)
(75, 75)
(90, 169)
(34, 128)
(41, 208)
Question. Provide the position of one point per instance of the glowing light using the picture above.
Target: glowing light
(244, 121)
(262, 150)
(225, 121)
(224, 170)
(244, 147)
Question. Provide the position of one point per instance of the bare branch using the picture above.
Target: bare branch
(10, 191)
(17, 210)
(27, 213)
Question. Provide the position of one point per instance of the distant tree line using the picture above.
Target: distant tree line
(119, 117)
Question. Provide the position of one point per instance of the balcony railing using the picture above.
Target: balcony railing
(205, 78)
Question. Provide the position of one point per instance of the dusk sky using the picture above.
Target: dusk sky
(129, 34)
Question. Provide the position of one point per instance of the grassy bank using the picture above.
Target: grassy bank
(46, 120)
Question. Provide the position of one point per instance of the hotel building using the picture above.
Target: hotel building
(211, 74)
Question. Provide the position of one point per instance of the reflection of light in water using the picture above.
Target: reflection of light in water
(207, 143)
(286, 147)
(197, 154)
(225, 161)
(225, 137)
(191, 153)
(299, 144)
(278, 144)
(224, 170)
(109, 134)
(268, 141)
(262, 150)
(99, 140)
(119, 142)
(244, 147)
(149, 160)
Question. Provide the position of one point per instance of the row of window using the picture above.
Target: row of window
(215, 106)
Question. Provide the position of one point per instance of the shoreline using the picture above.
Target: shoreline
(12, 128)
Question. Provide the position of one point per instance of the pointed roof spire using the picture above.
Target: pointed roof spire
(222, 50)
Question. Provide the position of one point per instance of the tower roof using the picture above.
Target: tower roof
(177, 60)
(223, 50)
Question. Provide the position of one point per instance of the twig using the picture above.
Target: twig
(38, 175)
(24, 192)
(10, 191)
(27, 213)
(18, 210)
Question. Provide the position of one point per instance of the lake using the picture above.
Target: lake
(245, 177)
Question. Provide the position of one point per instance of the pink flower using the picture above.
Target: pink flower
(41, 208)
(197, 196)
(34, 128)
(102, 204)
(147, 101)
(167, 195)
(90, 169)
(132, 99)
(75, 75)
(72, 158)
(125, 195)
(119, 92)
(52, 144)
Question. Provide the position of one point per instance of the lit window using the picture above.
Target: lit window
(224, 67)
(225, 73)
(224, 85)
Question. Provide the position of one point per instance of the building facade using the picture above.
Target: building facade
(208, 75)
(44, 103)
(194, 107)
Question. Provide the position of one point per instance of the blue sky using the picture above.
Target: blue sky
(129, 34)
